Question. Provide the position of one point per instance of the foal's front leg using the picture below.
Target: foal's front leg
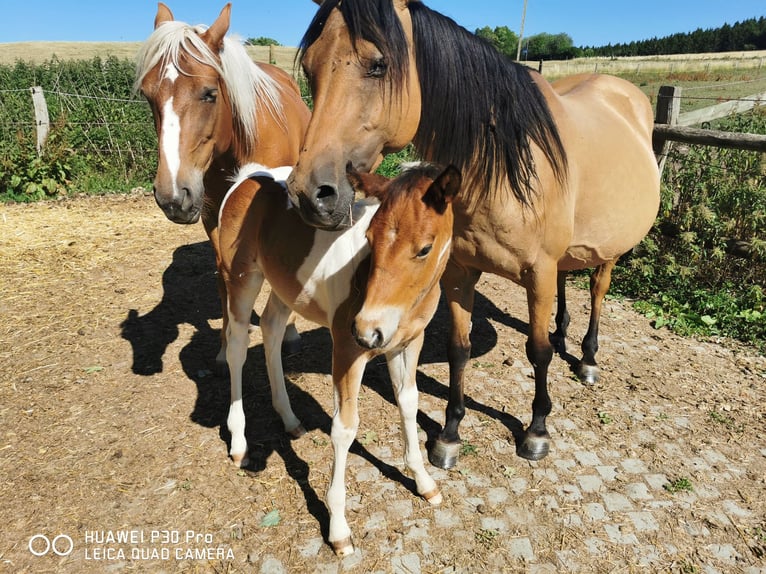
(402, 366)
(347, 370)
(242, 291)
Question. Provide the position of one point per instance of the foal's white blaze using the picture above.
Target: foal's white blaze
(171, 141)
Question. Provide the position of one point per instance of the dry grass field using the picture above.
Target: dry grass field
(704, 77)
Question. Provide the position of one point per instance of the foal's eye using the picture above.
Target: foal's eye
(425, 251)
(378, 68)
(209, 95)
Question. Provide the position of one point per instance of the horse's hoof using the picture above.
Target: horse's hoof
(239, 459)
(292, 346)
(434, 498)
(297, 432)
(444, 454)
(588, 374)
(534, 447)
(343, 547)
(221, 368)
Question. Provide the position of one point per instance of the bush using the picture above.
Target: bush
(702, 268)
(101, 137)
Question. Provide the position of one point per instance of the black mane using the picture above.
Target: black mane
(480, 110)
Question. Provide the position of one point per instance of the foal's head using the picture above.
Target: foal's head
(410, 238)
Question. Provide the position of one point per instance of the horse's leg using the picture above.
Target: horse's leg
(541, 290)
(347, 370)
(587, 369)
(562, 315)
(402, 366)
(215, 187)
(291, 343)
(242, 294)
(458, 284)
(273, 321)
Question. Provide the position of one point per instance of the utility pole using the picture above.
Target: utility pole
(521, 32)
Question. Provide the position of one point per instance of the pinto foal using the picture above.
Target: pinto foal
(375, 285)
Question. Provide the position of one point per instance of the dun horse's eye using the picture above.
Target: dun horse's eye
(378, 68)
(425, 251)
(209, 95)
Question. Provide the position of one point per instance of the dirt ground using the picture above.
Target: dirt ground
(114, 444)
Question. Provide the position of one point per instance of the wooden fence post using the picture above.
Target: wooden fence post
(42, 121)
(668, 109)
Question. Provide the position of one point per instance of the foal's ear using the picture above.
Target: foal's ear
(163, 15)
(370, 184)
(444, 189)
(214, 35)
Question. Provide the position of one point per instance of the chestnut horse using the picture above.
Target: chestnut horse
(557, 176)
(214, 110)
(373, 284)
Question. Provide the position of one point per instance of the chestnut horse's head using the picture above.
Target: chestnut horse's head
(410, 238)
(370, 82)
(203, 98)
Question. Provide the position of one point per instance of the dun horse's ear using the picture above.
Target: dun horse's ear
(370, 184)
(163, 15)
(214, 35)
(444, 189)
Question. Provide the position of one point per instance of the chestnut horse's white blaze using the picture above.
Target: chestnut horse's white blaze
(214, 110)
(559, 176)
(333, 278)
(170, 143)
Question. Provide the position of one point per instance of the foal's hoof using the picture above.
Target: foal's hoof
(297, 432)
(292, 346)
(534, 447)
(343, 547)
(444, 454)
(434, 498)
(239, 459)
(588, 374)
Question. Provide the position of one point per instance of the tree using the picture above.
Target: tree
(261, 41)
(502, 38)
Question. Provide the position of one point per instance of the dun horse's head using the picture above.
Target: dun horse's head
(410, 238)
(178, 71)
(366, 102)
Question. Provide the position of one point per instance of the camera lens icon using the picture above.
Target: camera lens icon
(61, 545)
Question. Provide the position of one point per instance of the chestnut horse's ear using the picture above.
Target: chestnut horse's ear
(214, 35)
(163, 15)
(444, 189)
(370, 184)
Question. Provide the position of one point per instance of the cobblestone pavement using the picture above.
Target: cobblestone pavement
(112, 421)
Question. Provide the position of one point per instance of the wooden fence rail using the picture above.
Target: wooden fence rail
(670, 125)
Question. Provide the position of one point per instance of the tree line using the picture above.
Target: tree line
(747, 35)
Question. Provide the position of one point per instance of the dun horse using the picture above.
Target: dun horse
(214, 110)
(375, 285)
(557, 176)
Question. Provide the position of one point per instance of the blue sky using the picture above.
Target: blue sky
(588, 22)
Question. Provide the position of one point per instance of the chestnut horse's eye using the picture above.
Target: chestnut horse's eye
(425, 251)
(209, 95)
(378, 68)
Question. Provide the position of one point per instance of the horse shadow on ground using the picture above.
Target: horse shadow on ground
(190, 296)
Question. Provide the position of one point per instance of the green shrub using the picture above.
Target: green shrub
(702, 268)
(101, 136)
